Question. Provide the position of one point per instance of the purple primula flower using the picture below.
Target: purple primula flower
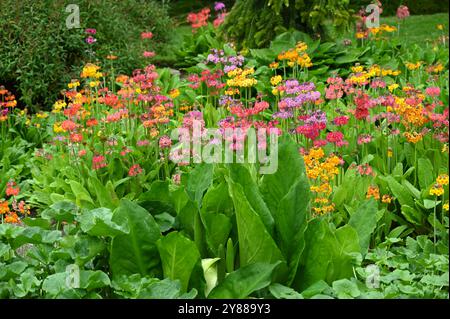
(308, 86)
(282, 115)
(316, 117)
(59, 138)
(229, 68)
(219, 6)
(213, 58)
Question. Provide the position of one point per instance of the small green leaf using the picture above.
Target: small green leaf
(282, 292)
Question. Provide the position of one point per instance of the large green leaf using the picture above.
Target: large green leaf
(290, 223)
(83, 198)
(61, 211)
(364, 221)
(425, 172)
(34, 235)
(412, 215)
(217, 229)
(179, 256)
(58, 283)
(159, 191)
(81, 248)
(199, 179)
(136, 251)
(255, 243)
(244, 281)
(290, 168)
(97, 222)
(400, 192)
(217, 199)
(349, 248)
(240, 174)
(104, 197)
(135, 286)
(327, 255)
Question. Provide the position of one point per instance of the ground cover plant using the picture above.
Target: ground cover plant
(336, 183)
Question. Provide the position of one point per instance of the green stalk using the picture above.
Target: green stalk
(434, 223)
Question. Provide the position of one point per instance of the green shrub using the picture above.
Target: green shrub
(254, 23)
(182, 8)
(39, 54)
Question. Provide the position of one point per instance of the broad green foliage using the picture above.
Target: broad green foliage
(135, 251)
(179, 256)
(255, 242)
(258, 238)
(364, 221)
(418, 273)
(255, 23)
(328, 254)
(241, 283)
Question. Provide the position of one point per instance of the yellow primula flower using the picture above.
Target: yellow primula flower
(94, 83)
(387, 199)
(90, 71)
(392, 87)
(413, 137)
(357, 68)
(275, 80)
(57, 128)
(41, 115)
(274, 65)
(174, 93)
(437, 190)
(442, 179)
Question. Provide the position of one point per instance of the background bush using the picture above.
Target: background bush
(39, 55)
(254, 23)
(180, 9)
(415, 6)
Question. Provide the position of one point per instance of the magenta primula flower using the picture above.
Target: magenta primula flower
(146, 35)
(148, 54)
(165, 142)
(90, 40)
(135, 170)
(364, 139)
(402, 12)
(98, 162)
(91, 31)
(340, 120)
(433, 91)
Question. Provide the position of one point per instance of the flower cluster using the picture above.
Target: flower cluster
(296, 56)
(90, 39)
(230, 62)
(199, 19)
(295, 95)
(210, 79)
(438, 188)
(11, 212)
(7, 103)
(321, 171)
(241, 78)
